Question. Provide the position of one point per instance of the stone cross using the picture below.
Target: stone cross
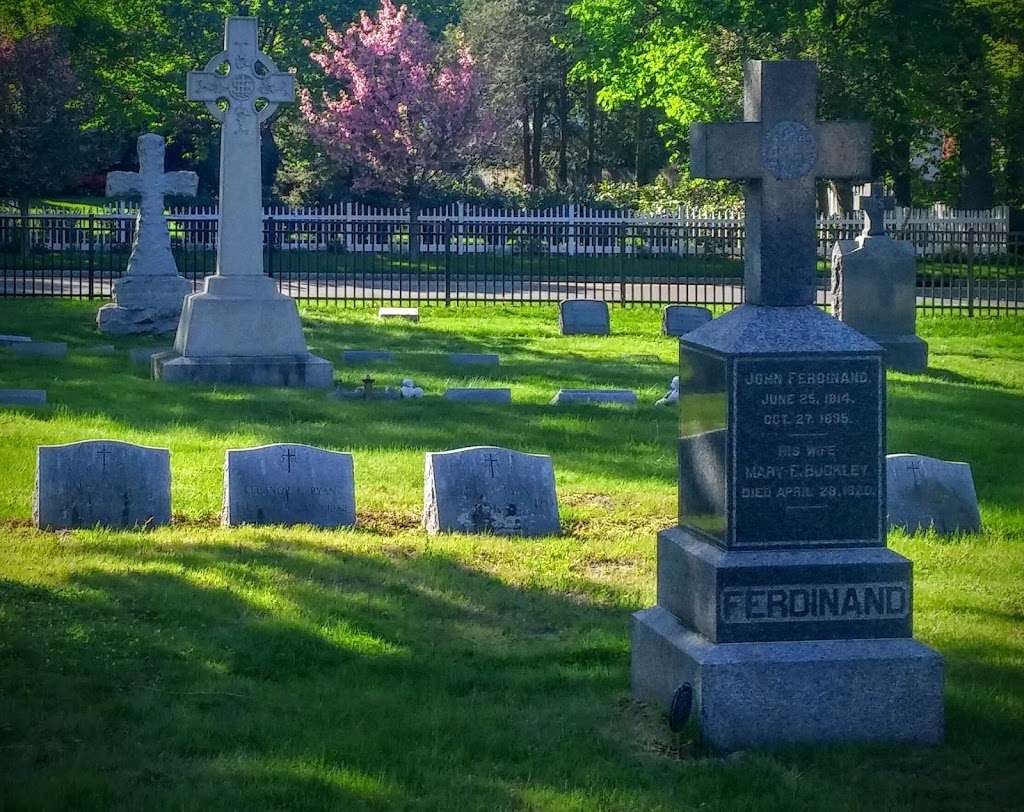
(151, 251)
(874, 205)
(241, 88)
(780, 150)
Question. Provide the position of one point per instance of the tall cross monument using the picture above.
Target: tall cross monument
(240, 328)
(148, 298)
(782, 616)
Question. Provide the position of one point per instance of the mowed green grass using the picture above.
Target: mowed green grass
(377, 668)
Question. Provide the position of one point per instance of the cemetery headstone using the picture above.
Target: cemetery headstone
(622, 397)
(473, 358)
(239, 328)
(22, 397)
(148, 298)
(479, 394)
(8, 340)
(779, 551)
(40, 349)
(486, 489)
(143, 355)
(678, 320)
(405, 313)
(366, 356)
(924, 493)
(287, 483)
(102, 482)
(583, 317)
(874, 287)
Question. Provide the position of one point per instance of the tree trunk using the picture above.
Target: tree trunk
(901, 173)
(638, 138)
(563, 133)
(976, 189)
(844, 195)
(591, 133)
(539, 108)
(527, 166)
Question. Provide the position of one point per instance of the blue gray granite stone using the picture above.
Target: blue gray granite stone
(473, 358)
(924, 493)
(143, 355)
(623, 397)
(485, 489)
(102, 482)
(678, 320)
(578, 317)
(288, 484)
(301, 371)
(480, 394)
(40, 349)
(757, 695)
(22, 397)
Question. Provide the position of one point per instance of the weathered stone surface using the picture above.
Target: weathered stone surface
(754, 695)
(480, 394)
(40, 349)
(406, 313)
(485, 489)
(22, 397)
(578, 317)
(148, 298)
(678, 320)
(473, 358)
(287, 483)
(623, 397)
(366, 356)
(926, 493)
(240, 328)
(8, 340)
(779, 149)
(143, 355)
(102, 482)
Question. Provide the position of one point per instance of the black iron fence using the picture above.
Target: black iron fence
(960, 268)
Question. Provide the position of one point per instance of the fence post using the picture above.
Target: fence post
(268, 232)
(970, 271)
(622, 265)
(92, 263)
(447, 232)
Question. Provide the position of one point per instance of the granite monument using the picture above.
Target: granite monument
(678, 320)
(583, 317)
(781, 615)
(924, 493)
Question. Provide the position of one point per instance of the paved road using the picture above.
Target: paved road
(431, 288)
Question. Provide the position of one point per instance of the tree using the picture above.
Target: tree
(41, 114)
(406, 114)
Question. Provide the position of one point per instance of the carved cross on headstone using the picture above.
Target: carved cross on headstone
(288, 456)
(151, 251)
(103, 453)
(491, 459)
(780, 149)
(241, 88)
(914, 467)
(874, 205)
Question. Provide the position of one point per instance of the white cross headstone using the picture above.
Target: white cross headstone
(151, 251)
(241, 88)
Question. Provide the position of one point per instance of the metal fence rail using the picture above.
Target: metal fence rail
(960, 269)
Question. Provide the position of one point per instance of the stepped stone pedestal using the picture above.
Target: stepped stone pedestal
(781, 615)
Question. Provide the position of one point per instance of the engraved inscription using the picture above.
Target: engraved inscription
(788, 150)
(807, 452)
(789, 603)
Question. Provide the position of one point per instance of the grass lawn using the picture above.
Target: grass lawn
(377, 668)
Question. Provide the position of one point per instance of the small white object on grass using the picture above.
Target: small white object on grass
(672, 396)
(410, 389)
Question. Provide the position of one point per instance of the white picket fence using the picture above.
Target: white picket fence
(463, 228)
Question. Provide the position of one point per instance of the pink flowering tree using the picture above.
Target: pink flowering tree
(405, 116)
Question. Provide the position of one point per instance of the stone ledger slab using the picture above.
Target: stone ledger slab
(143, 355)
(40, 349)
(102, 482)
(288, 484)
(752, 695)
(479, 394)
(473, 358)
(678, 320)
(578, 317)
(624, 397)
(486, 489)
(926, 493)
(406, 313)
(22, 397)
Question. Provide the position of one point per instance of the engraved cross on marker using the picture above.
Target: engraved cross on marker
(103, 454)
(288, 456)
(914, 467)
(874, 205)
(241, 88)
(780, 149)
(490, 458)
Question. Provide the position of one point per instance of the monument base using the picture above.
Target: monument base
(144, 304)
(302, 371)
(904, 353)
(754, 695)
